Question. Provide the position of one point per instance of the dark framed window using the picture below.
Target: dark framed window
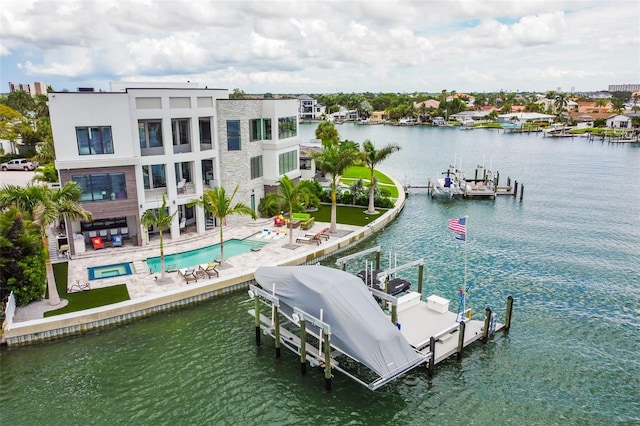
(180, 130)
(256, 167)
(154, 176)
(101, 187)
(94, 140)
(204, 124)
(287, 161)
(255, 130)
(150, 133)
(233, 135)
(267, 129)
(287, 127)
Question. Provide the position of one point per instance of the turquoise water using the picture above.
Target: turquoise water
(202, 255)
(108, 271)
(569, 253)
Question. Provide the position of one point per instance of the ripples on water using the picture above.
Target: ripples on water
(569, 254)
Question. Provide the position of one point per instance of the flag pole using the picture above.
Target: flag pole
(464, 295)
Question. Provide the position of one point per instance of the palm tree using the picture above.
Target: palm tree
(560, 103)
(327, 133)
(371, 158)
(216, 202)
(45, 206)
(160, 220)
(293, 194)
(334, 159)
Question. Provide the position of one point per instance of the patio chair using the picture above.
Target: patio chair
(181, 186)
(313, 239)
(97, 243)
(117, 241)
(322, 234)
(210, 269)
(189, 274)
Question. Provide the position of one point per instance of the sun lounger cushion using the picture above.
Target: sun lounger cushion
(97, 243)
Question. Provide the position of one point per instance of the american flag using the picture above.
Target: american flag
(458, 225)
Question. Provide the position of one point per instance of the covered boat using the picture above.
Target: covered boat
(359, 328)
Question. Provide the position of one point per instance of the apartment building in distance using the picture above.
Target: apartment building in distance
(36, 88)
(138, 142)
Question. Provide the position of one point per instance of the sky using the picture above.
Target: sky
(323, 46)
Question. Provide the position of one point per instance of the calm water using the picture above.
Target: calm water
(569, 253)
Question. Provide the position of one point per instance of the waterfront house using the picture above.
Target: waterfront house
(310, 109)
(129, 147)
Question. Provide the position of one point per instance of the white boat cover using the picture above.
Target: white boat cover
(359, 328)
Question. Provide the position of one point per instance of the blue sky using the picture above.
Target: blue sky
(323, 46)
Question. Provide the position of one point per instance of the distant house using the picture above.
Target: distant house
(378, 117)
(309, 108)
(429, 103)
(590, 107)
(621, 121)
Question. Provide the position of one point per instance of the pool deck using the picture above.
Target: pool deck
(149, 294)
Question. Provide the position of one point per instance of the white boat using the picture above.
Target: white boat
(447, 186)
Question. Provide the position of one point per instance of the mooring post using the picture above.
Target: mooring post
(521, 192)
(515, 189)
(497, 179)
(485, 329)
(377, 260)
(303, 347)
(420, 275)
(432, 357)
(507, 320)
(462, 327)
(257, 319)
(508, 181)
(276, 325)
(327, 362)
(394, 314)
(344, 266)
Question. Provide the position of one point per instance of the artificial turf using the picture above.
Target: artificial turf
(348, 215)
(82, 300)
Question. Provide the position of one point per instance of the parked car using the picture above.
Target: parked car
(19, 164)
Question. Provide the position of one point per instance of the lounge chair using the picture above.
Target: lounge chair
(97, 243)
(116, 241)
(266, 233)
(322, 234)
(210, 269)
(313, 239)
(189, 274)
(278, 221)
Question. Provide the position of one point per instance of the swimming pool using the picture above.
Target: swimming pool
(108, 271)
(202, 255)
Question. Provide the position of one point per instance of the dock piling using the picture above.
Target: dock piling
(461, 329)
(521, 192)
(303, 347)
(327, 362)
(420, 275)
(507, 320)
(276, 325)
(257, 319)
(515, 189)
(432, 357)
(485, 329)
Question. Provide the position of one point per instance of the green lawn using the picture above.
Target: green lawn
(346, 214)
(82, 300)
(353, 173)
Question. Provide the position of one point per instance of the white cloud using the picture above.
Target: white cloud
(294, 46)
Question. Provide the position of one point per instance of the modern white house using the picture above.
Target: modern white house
(310, 109)
(129, 147)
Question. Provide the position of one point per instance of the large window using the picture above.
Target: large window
(256, 167)
(150, 133)
(255, 130)
(233, 135)
(154, 176)
(267, 129)
(288, 161)
(204, 124)
(94, 140)
(101, 187)
(287, 127)
(180, 131)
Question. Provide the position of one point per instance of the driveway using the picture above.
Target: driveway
(15, 177)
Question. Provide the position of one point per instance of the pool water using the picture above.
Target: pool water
(108, 271)
(202, 255)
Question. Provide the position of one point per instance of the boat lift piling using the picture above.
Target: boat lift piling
(507, 320)
(460, 340)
